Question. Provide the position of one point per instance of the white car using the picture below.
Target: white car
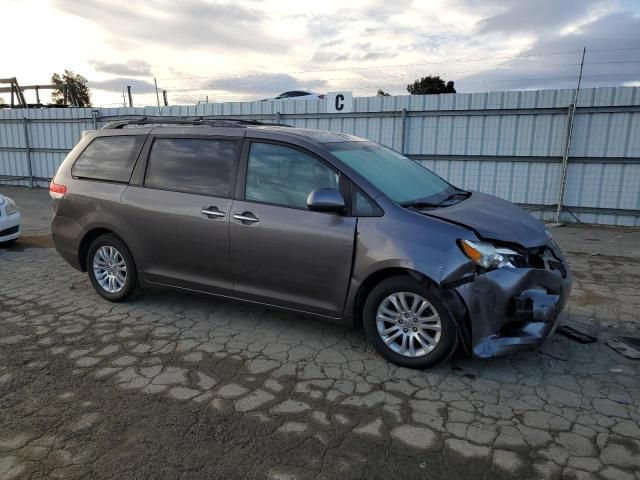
(10, 220)
(300, 95)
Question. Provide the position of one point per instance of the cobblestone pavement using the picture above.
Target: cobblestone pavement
(175, 386)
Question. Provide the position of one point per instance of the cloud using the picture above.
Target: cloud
(355, 52)
(134, 68)
(383, 10)
(359, 46)
(326, 28)
(196, 24)
(263, 84)
(536, 16)
(334, 56)
(608, 61)
(120, 83)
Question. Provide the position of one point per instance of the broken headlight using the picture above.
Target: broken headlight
(488, 255)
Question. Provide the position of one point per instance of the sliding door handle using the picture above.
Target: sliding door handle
(212, 212)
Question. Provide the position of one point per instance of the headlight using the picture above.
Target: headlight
(552, 241)
(11, 207)
(487, 255)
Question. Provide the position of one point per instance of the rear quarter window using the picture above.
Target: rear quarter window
(109, 158)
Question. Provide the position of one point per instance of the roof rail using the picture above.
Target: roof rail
(211, 122)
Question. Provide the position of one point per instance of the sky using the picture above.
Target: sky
(213, 50)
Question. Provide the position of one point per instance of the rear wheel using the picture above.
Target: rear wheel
(407, 323)
(111, 269)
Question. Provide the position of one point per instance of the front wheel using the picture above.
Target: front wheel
(111, 269)
(407, 323)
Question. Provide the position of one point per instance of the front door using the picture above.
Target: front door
(281, 252)
(179, 219)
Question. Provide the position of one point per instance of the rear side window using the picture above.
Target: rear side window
(190, 165)
(109, 158)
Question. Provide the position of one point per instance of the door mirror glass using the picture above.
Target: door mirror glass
(326, 200)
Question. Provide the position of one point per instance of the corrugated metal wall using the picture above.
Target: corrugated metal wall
(508, 144)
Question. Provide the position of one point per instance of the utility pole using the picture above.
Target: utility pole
(157, 96)
(124, 100)
(129, 93)
(164, 96)
(567, 143)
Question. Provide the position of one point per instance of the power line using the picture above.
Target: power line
(249, 82)
(372, 67)
(253, 79)
(458, 60)
(530, 79)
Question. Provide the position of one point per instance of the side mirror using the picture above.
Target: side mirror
(326, 200)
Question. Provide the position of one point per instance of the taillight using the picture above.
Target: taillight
(57, 191)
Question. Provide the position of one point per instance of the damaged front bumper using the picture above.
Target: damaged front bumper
(513, 309)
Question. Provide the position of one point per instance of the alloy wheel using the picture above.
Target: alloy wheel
(109, 269)
(408, 324)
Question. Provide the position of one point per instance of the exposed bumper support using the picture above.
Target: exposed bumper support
(512, 309)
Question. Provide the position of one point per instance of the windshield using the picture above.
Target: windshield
(395, 175)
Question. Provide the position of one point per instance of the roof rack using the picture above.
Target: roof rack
(211, 122)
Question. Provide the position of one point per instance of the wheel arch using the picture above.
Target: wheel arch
(89, 237)
(374, 279)
(451, 299)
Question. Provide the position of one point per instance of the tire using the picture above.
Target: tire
(415, 328)
(8, 243)
(115, 289)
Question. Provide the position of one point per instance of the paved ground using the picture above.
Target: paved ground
(179, 387)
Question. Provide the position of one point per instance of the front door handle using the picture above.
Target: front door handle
(246, 217)
(212, 212)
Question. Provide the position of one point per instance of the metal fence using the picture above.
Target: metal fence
(510, 144)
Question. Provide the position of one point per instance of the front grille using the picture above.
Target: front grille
(542, 258)
(9, 231)
(557, 266)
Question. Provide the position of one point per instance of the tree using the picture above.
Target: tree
(77, 90)
(430, 85)
(382, 93)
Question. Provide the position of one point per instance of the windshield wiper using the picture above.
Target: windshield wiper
(419, 204)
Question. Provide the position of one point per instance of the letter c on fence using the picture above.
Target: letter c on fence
(339, 102)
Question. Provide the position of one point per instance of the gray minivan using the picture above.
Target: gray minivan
(320, 223)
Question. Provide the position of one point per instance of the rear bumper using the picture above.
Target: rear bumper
(513, 309)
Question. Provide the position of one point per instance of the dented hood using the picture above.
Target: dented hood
(494, 219)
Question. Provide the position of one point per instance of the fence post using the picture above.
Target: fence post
(565, 159)
(278, 118)
(402, 129)
(567, 140)
(27, 149)
(94, 115)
